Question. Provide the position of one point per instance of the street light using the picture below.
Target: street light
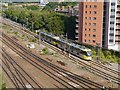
(27, 22)
(32, 26)
(65, 43)
(23, 26)
(4, 15)
(16, 19)
(98, 51)
(39, 41)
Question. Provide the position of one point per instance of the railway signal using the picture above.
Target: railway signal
(16, 19)
(98, 51)
(39, 40)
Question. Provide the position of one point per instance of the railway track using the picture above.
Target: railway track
(31, 33)
(106, 68)
(72, 57)
(66, 74)
(91, 68)
(18, 27)
(20, 76)
(107, 76)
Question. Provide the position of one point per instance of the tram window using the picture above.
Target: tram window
(77, 53)
(83, 52)
(71, 50)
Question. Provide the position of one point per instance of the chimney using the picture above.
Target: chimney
(68, 8)
(58, 8)
(72, 10)
(63, 8)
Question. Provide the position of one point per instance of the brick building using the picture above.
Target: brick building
(99, 23)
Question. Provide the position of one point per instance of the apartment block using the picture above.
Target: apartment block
(99, 23)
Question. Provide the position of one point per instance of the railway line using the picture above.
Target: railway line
(70, 77)
(14, 24)
(106, 68)
(91, 67)
(20, 77)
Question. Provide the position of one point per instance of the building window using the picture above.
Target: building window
(85, 17)
(94, 18)
(112, 10)
(89, 29)
(85, 23)
(89, 18)
(94, 24)
(86, 6)
(111, 34)
(111, 22)
(110, 40)
(112, 16)
(90, 6)
(95, 12)
(112, 4)
(89, 35)
(93, 41)
(85, 11)
(90, 12)
(85, 29)
(95, 6)
(94, 35)
(85, 40)
(89, 41)
(89, 24)
(85, 35)
(95, 0)
(94, 30)
(112, 28)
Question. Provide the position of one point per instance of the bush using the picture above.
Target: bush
(34, 40)
(45, 50)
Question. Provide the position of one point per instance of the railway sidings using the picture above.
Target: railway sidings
(68, 78)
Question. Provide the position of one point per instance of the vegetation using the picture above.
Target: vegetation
(32, 7)
(55, 23)
(52, 22)
(106, 55)
(52, 5)
(45, 51)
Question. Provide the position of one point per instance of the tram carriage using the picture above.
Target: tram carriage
(72, 48)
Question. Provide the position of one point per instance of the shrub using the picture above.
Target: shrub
(45, 50)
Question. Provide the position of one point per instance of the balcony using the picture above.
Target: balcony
(118, 3)
(118, 15)
(118, 9)
(76, 30)
(77, 25)
(77, 20)
(117, 21)
(76, 36)
(117, 39)
(77, 15)
(118, 27)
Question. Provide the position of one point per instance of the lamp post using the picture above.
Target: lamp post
(27, 22)
(16, 19)
(23, 26)
(65, 43)
(39, 41)
(32, 26)
(98, 51)
(4, 15)
(10, 16)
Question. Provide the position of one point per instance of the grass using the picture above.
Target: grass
(105, 56)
